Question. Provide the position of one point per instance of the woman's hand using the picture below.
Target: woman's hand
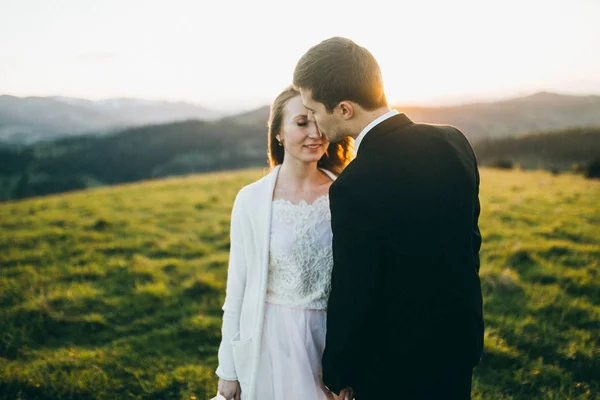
(229, 389)
(346, 394)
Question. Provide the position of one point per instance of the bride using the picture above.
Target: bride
(280, 263)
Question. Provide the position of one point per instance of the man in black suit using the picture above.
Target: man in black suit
(405, 312)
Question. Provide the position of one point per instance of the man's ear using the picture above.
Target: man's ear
(346, 109)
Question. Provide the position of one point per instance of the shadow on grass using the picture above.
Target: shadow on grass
(31, 329)
(583, 290)
(491, 371)
(13, 390)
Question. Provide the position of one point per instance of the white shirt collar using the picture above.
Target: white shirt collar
(373, 123)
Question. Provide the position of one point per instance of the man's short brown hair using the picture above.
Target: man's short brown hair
(338, 69)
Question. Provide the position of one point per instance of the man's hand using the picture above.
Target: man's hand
(229, 389)
(346, 394)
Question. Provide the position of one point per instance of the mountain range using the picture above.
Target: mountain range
(32, 119)
(513, 117)
(239, 141)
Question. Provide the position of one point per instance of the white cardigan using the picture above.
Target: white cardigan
(243, 311)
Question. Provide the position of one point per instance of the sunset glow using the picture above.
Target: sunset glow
(240, 54)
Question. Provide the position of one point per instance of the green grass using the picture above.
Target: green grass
(115, 293)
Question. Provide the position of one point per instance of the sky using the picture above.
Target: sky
(230, 55)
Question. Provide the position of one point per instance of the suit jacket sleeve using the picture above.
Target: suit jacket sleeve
(356, 260)
(234, 296)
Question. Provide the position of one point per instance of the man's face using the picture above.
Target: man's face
(330, 125)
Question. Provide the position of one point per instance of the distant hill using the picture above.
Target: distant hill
(27, 120)
(146, 112)
(554, 150)
(257, 117)
(32, 119)
(538, 112)
(131, 155)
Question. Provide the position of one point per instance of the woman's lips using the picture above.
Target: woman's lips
(313, 146)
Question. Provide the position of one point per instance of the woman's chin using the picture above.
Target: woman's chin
(314, 153)
(309, 157)
(312, 159)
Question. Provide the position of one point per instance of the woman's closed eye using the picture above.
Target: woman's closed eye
(302, 123)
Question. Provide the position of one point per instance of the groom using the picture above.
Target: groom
(405, 312)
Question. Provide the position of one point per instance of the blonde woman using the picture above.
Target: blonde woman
(279, 275)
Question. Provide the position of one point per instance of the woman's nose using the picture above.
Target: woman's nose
(314, 131)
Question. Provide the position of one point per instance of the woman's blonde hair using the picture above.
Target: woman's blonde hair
(335, 159)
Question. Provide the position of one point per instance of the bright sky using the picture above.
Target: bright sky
(231, 54)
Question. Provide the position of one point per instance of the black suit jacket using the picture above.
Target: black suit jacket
(405, 297)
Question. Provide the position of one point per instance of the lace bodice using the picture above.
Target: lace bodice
(300, 256)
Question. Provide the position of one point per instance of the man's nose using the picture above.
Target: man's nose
(311, 116)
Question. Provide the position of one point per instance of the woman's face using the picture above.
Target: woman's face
(300, 137)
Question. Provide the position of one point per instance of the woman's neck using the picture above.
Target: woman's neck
(300, 175)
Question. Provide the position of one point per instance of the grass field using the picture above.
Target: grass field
(115, 293)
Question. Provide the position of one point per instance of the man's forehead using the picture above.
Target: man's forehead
(307, 99)
(306, 92)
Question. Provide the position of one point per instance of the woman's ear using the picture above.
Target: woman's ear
(346, 109)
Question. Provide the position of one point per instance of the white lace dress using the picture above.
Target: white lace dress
(299, 283)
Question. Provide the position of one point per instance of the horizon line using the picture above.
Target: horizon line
(451, 101)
